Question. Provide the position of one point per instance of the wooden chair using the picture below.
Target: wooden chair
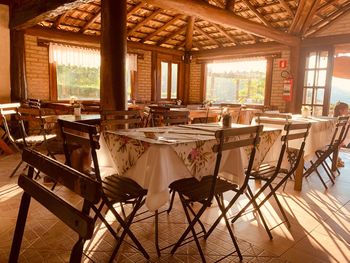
(175, 117)
(331, 149)
(115, 189)
(76, 219)
(115, 120)
(203, 192)
(274, 176)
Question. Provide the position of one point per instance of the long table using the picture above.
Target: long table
(156, 157)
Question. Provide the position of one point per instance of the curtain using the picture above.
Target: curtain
(131, 62)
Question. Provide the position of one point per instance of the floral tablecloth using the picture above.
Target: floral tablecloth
(176, 152)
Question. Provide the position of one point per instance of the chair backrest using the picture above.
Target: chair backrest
(76, 134)
(340, 131)
(272, 118)
(115, 120)
(229, 139)
(175, 117)
(9, 111)
(292, 132)
(77, 219)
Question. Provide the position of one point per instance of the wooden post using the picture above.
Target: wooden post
(299, 175)
(113, 55)
(187, 58)
(17, 66)
(295, 105)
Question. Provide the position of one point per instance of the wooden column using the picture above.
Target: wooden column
(113, 54)
(187, 58)
(17, 66)
(294, 59)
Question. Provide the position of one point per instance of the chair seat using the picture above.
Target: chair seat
(36, 139)
(265, 172)
(121, 189)
(199, 190)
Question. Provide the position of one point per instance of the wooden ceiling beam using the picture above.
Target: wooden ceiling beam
(162, 28)
(217, 15)
(261, 49)
(231, 38)
(90, 22)
(147, 19)
(310, 17)
(135, 9)
(78, 38)
(30, 14)
(326, 5)
(230, 5)
(213, 40)
(301, 16)
(173, 34)
(189, 33)
(326, 40)
(285, 5)
(256, 13)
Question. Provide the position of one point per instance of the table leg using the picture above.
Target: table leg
(335, 160)
(299, 175)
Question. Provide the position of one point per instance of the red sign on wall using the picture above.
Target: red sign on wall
(283, 63)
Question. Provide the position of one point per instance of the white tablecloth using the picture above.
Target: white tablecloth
(155, 163)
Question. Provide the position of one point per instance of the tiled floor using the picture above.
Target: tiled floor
(320, 230)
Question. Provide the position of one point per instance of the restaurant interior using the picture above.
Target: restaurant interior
(174, 131)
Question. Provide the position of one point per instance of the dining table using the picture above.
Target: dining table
(320, 135)
(154, 157)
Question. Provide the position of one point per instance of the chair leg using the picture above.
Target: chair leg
(15, 170)
(171, 202)
(319, 176)
(234, 241)
(77, 251)
(156, 229)
(328, 172)
(253, 199)
(280, 206)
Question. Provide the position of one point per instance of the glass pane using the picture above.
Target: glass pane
(321, 78)
(164, 81)
(174, 74)
(241, 81)
(309, 78)
(319, 96)
(323, 59)
(78, 81)
(307, 96)
(311, 60)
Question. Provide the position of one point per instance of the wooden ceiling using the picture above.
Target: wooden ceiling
(150, 24)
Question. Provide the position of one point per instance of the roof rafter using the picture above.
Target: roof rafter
(173, 34)
(217, 15)
(301, 16)
(309, 18)
(90, 22)
(167, 24)
(285, 5)
(230, 5)
(207, 36)
(60, 19)
(231, 38)
(147, 19)
(135, 9)
(257, 13)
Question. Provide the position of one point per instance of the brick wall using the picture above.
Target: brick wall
(5, 89)
(144, 67)
(277, 80)
(37, 69)
(195, 83)
(340, 26)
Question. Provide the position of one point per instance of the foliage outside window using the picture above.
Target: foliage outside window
(169, 80)
(78, 72)
(237, 81)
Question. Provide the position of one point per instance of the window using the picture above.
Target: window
(169, 75)
(77, 72)
(315, 81)
(237, 81)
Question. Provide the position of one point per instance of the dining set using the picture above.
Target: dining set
(136, 165)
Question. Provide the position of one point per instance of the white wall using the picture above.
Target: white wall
(4, 54)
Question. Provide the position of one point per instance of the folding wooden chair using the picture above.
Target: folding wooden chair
(203, 192)
(115, 188)
(115, 120)
(332, 149)
(76, 219)
(272, 118)
(176, 117)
